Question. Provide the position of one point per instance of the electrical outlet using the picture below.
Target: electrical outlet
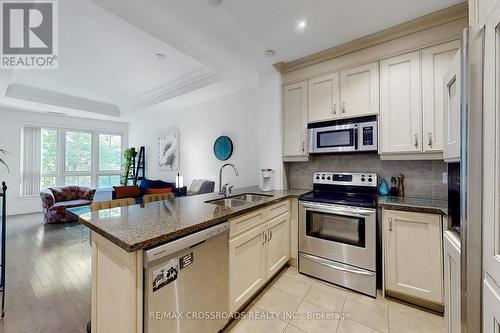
(445, 177)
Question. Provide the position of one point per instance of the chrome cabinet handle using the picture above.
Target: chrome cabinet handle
(343, 107)
(390, 223)
(429, 135)
(416, 139)
(270, 235)
(334, 109)
(264, 237)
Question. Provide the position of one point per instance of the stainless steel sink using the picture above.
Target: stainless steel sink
(239, 200)
(251, 197)
(227, 202)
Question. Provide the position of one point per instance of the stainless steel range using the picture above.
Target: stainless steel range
(337, 230)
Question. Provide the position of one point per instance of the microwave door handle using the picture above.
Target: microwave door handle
(356, 138)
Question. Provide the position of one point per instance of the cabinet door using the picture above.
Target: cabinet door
(400, 104)
(414, 254)
(436, 61)
(359, 91)
(295, 120)
(491, 306)
(452, 298)
(278, 243)
(451, 99)
(491, 139)
(247, 271)
(323, 98)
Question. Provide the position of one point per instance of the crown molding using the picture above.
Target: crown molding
(184, 84)
(48, 97)
(440, 17)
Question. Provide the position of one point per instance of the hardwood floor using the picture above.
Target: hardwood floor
(48, 276)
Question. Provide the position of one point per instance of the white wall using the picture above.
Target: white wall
(251, 118)
(11, 122)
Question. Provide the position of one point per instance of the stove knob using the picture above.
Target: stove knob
(363, 179)
(317, 177)
(328, 178)
(370, 180)
(323, 178)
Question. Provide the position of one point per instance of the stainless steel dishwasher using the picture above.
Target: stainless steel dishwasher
(186, 283)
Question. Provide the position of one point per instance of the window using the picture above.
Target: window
(78, 151)
(49, 157)
(110, 147)
(85, 158)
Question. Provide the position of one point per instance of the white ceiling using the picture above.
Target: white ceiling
(107, 47)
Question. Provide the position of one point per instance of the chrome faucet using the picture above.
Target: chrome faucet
(223, 189)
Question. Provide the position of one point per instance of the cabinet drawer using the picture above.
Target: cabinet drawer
(278, 209)
(246, 222)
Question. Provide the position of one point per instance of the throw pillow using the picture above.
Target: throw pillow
(126, 191)
(158, 190)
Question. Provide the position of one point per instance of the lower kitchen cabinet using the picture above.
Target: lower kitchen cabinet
(413, 257)
(247, 270)
(278, 243)
(257, 252)
(452, 299)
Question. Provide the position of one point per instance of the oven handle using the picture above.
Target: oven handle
(337, 210)
(339, 268)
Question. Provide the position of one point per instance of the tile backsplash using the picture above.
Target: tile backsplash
(422, 178)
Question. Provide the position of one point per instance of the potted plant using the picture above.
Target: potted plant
(3, 152)
(128, 157)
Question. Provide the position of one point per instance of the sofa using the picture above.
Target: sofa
(55, 201)
(146, 186)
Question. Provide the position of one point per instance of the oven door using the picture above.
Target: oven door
(341, 233)
(341, 138)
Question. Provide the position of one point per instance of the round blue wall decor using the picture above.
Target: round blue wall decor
(223, 148)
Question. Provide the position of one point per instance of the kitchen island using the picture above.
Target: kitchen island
(119, 237)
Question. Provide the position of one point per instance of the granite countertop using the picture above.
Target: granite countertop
(143, 226)
(420, 205)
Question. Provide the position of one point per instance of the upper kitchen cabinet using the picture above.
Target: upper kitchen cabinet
(295, 122)
(323, 98)
(400, 104)
(436, 61)
(359, 91)
(451, 108)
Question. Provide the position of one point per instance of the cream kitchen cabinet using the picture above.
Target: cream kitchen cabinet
(247, 266)
(491, 173)
(412, 101)
(451, 114)
(452, 298)
(323, 99)
(400, 104)
(359, 91)
(259, 246)
(295, 122)
(278, 243)
(436, 61)
(413, 257)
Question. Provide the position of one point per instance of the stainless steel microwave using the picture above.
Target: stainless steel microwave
(353, 135)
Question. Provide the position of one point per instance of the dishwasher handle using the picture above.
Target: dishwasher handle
(186, 242)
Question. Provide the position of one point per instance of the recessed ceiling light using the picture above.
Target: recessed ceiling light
(56, 113)
(269, 53)
(161, 56)
(214, 3)
(300, 25)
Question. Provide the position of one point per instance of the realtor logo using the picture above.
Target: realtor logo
(29, 34)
